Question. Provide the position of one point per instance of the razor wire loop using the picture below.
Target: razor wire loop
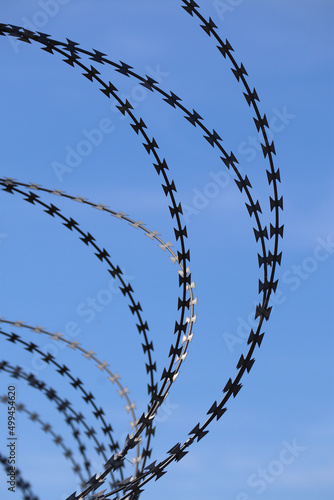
(47, 428)
(15, 373)
(88, 239)
(23, 485)
(102, 255)
(152, 235)
(263, 310)
(102, 365)
(10, 186)
(76, 383)
(114, 271)
(18, 372)
(252, 209)
(64, 407)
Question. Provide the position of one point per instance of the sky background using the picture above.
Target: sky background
(48, 276)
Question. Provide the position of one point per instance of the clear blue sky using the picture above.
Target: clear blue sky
(49, 277)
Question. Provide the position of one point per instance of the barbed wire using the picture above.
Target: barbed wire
(132, 486)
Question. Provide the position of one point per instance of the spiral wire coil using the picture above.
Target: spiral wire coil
(142, 427)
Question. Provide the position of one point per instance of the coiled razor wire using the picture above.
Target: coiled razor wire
(269, 259)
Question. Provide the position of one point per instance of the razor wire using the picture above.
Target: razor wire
(132, 487)
(47, 428)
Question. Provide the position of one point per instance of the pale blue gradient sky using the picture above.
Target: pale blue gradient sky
(47, 274)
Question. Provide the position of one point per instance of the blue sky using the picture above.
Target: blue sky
(49, 278)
